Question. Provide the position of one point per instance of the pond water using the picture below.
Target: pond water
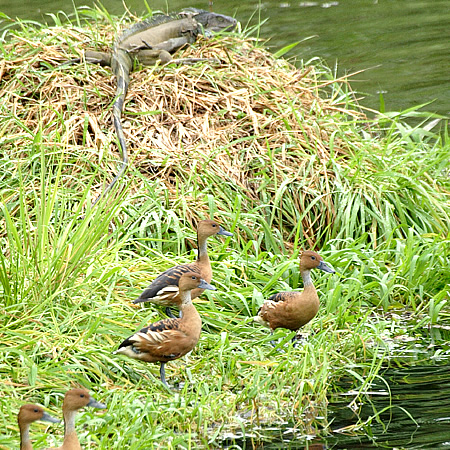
(407, 407)
(416, 414)
(403, 44)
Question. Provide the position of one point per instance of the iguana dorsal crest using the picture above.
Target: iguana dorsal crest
(155, 21)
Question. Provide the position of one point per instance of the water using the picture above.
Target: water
(415, 415)
(406, 407)
(402, 43)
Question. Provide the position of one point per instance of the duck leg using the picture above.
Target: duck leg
(299, 339)
(275, 344)
(170, 313)
(162, 374)
(272, 342)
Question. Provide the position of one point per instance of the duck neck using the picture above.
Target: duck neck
(70, 434)
(306, 277)
(25, 442)
(202, 248)
(186, 299)
(190, 315)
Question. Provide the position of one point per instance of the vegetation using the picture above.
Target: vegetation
(283, 157)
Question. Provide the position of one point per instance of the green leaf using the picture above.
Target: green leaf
(285, 49)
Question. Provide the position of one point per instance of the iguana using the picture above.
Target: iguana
(147, 42)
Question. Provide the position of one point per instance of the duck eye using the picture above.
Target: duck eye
(82, 395)
(35, 410)
(313, 257)
(193, 277)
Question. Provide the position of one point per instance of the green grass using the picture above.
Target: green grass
(377, 209)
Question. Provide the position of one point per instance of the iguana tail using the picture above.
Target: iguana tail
(121, 66)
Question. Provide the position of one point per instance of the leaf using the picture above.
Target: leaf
(285, 49)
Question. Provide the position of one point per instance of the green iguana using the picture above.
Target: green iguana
(147, 42)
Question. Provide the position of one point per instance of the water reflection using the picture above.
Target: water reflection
(416, 414)
(407, 407)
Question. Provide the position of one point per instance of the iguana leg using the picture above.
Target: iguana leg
(150, 57)
(136, 48)
(102, 58)
(172, 45)
(92, 57)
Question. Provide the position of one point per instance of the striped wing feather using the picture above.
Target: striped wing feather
(279, 297)
(165, 287)
(273, 300)
(158, 338)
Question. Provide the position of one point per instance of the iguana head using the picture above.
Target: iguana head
(211, 21)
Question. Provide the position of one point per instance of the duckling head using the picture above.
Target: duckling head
(76, 399)
(30, 413)
(312, 260)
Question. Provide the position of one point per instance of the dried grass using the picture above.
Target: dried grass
(251, 120)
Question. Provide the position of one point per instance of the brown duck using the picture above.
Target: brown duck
(169, 339)
(164, 289)
(292, 309)
(74, 400)
(27, 415)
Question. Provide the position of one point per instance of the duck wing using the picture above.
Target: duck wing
(275, 299)
(163, 339)
(164, 289)
(280, 297)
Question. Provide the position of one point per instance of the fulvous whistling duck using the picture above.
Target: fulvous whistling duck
(169, 339)
(292, 309)
(74, 400)
(164, 289)
(27, 415)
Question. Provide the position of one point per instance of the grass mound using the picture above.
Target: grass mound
(255, 125)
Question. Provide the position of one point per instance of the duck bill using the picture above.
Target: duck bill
(323, 266)
(48, 418)
(204, 285)
(95, 404)
(223, 232)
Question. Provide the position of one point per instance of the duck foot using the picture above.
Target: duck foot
(296, 341)
(275, 344)
(299, 339)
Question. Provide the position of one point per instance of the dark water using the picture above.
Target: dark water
(416, 415)
(406, 407)
(404, 44)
